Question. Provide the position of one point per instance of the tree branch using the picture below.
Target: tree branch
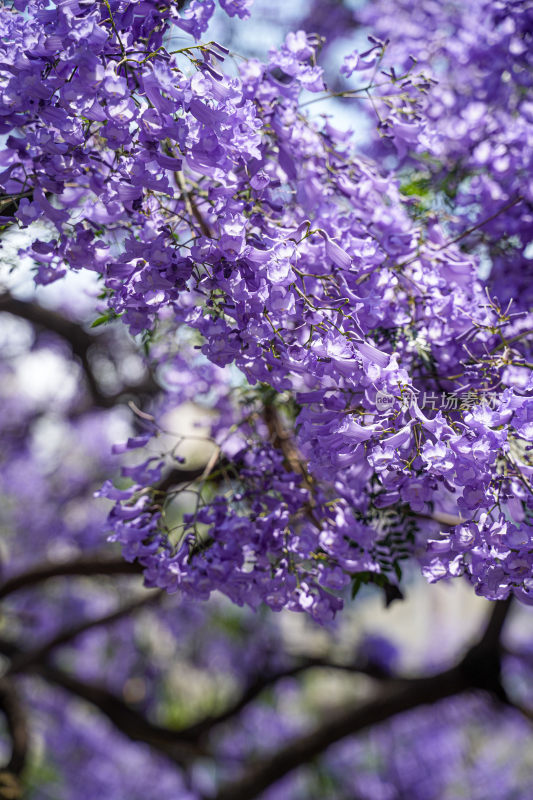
(79, 340)
(11, 706)
(265, 681)
(125, 718)
(491, 638)
(482, 663)
(179, 748)
(84, 565)
(479, 669)
(25, 660)
(345, 723)
(282, 440)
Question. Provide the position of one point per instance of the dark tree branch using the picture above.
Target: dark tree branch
(13, 710)
(294, 754)
(177, 477)
(482, 663)
(479, 669)
(473, 672)
(261, 683)
(282, 440)
(84, 565)
(25, 660)
(493, 631)
(9, 206)
(181, 475)
(178, 745)
(125, 718)
(80, 342)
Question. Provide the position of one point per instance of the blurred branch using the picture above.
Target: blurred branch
(125, 718)
(25, 660)
(84, 565)
(128, 720)
(80, 342)
(179, 745)
(11, 706)
(479, 669)
(265, 681)
(301, 750)
(495, 624)
(482, 663)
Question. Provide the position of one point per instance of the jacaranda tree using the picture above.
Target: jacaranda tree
(305, 372)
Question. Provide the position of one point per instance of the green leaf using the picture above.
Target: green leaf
(419, 186)
(101, 320)
(109, 316)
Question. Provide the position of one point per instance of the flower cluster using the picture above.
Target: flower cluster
(210, 201)
(476, 146)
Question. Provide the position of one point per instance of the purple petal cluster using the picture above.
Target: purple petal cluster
(382, 390)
